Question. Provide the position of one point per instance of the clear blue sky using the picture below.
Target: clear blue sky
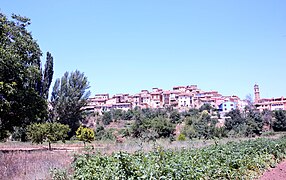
(129, 45)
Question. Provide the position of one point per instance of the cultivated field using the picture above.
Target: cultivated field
(30, 161)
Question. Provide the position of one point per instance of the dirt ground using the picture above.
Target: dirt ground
(277, 173)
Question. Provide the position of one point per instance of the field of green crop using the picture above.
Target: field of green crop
(234, 160)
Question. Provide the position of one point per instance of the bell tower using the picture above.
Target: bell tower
(256, 93)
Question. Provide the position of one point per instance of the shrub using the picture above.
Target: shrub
(59, 174)
(85, 134)
(181, 137)
(104, 134)
(50, 132)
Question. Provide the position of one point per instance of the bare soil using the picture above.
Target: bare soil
(277, 173)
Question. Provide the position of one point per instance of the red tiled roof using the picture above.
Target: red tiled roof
(155, 93)
(166, 92)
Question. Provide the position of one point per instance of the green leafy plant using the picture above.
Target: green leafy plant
(181, 137)
(47, 132)
(234, 160)
(85, 134)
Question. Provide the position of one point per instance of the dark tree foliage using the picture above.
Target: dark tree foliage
(267, 118)
(234, 121)
(248, 124)
(206, 107)
(254, 123)
(128, 115)
(48, 75)
(107, 118)
(69, 96)
(204, 126)
(280, 120)
(157, 126)
(21, 79)
(175, 116)
(201, 125)
(192, 112)
(148, 113)
(117, 114)
(162, 126)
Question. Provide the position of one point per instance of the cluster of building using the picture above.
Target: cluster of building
(180, 97)
(268, 103)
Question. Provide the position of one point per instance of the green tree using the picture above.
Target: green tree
(205, 126)
(202, 126)
(69, 96)
(21, 78)
(207, 107)
(117, 114)
(175, 116)
(85, 134)
(267, 117)
(148, 113)
(254, 123)
(47, 132)
(280, 120)
(136, 113)
(234, 121)
(160, 126)
(48, 75)
(128, 115)
(107, 118)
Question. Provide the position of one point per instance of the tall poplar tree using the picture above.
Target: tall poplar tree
(69, 96)
(48, 75)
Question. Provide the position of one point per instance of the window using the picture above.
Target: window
(225, 109)
(231, 104)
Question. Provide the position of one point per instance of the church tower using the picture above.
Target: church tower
(256, 93)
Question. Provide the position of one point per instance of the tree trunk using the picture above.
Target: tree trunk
(50, 147)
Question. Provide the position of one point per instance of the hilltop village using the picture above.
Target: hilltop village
(181, 98)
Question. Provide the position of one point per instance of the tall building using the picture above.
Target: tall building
(271, 104)
(256, 93)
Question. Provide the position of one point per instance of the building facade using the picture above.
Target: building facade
(271, 104)
(180, 97)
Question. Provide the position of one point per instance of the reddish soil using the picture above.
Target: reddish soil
(277, 173)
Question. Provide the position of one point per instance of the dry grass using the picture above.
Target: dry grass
(132, 145)
(32, 165)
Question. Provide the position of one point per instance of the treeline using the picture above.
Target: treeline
(25, 84)
(203, 123)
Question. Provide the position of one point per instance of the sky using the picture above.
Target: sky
(129, 45)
